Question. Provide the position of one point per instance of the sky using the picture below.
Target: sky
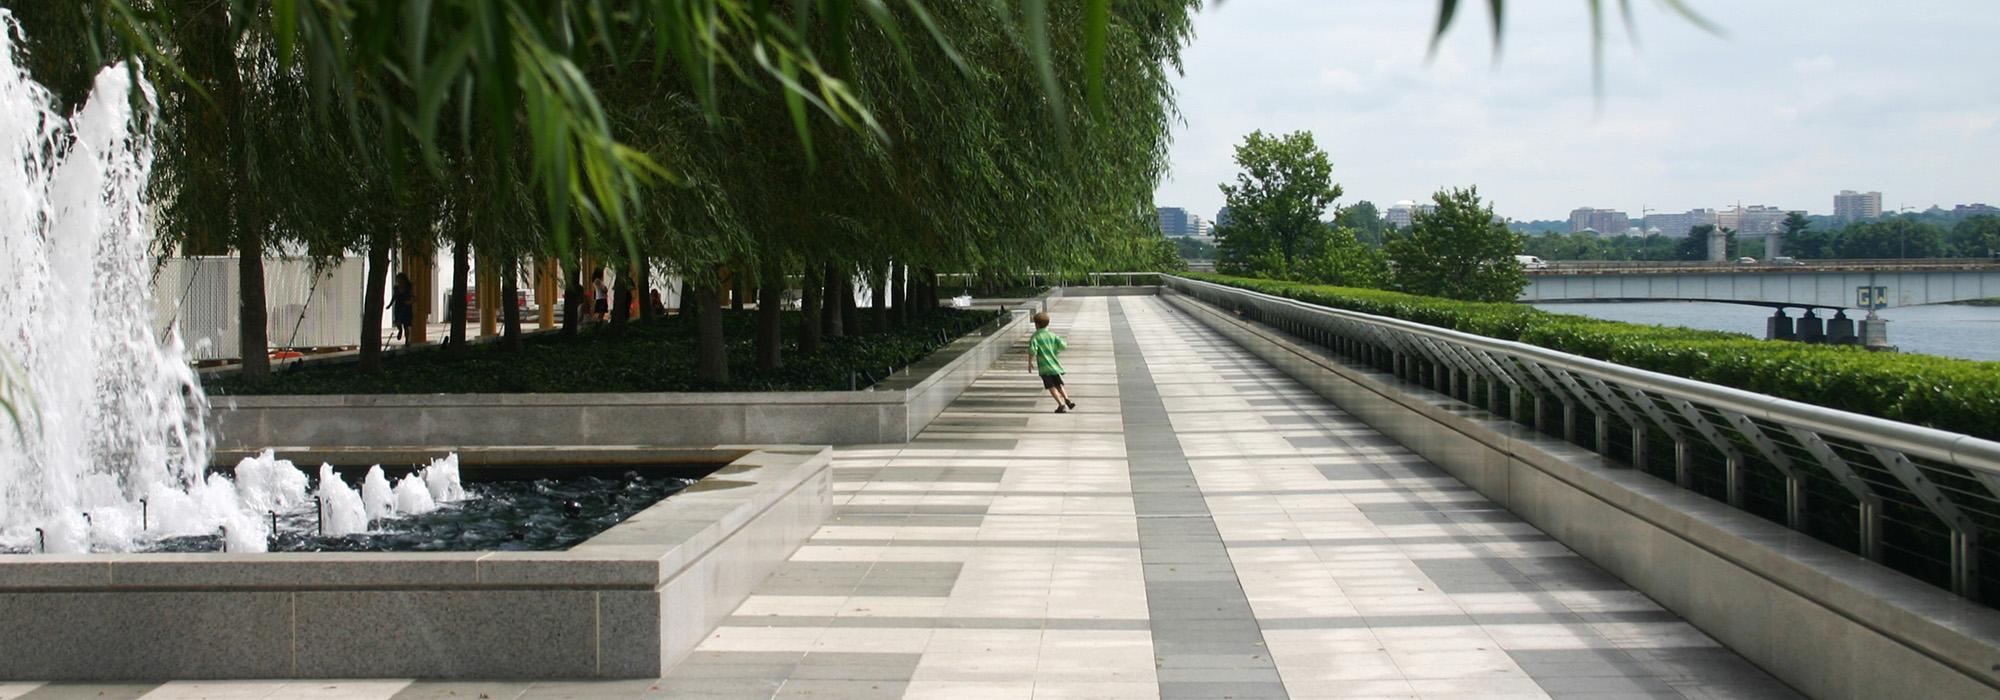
(1795, 101)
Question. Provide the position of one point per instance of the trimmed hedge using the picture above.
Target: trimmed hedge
(1961, 396)
(655, 356)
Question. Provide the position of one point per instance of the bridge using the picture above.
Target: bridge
(1829, 285)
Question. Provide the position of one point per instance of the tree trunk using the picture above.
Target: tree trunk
(850, 313)
(711, 357)
(621, 303)
(510, 309)
(371, 308)
(738, 288)
(574, 306)
(830, 303)
(642, 282)
(770, 314)
(252, 334)
(461, 268)
(899, 295)
(810, 291)
(878, 304)
(931, 286)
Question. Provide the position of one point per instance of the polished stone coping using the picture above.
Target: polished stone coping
(895, 409)
(1871, 610)
(646, 549)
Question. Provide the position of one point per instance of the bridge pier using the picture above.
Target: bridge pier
(1779, 327)
(1840, 329)
(1811, 329)
(1875, 332)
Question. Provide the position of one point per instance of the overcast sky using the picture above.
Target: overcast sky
(1800, 99)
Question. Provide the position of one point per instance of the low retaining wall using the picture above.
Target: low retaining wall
(628, 603)
(893, 411)
(1832, 624)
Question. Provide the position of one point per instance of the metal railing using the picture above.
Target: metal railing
(1597, 267)
(1922, 501)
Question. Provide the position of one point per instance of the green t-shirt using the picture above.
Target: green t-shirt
(1044, 346)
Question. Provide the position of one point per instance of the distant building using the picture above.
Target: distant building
(1222, 217)
(1850, 205)
(1754, 220)
(1402, 213)
(1177, 222)
(1608, 222)
(1965, 210)
(1203, 228)
(1678, 225)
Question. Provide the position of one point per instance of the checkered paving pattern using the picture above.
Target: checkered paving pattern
(1201, 527)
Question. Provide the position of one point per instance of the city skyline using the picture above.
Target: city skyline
(1861, 98)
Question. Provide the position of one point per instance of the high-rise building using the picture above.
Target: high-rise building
(1754, 220)
(1850, 205)
(1678, 225)
(1222, 217)
(1175, 221)
(1606, 222)
(1402, 213)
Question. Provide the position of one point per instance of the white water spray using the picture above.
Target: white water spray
(111, 413)
(112, 446)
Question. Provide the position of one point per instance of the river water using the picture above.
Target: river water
(1950, 330)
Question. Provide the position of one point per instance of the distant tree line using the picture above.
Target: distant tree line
(1805, 238)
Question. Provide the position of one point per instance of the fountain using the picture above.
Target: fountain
(108, 446)
(113, 501)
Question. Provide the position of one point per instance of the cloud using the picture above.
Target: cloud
(1339, 80)
(1815, 65)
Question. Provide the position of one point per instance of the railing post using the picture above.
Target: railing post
(1871, 527)
(1795, 502)
(1732, 477)
(1639, 447)
(1683, 470)
(1601, 426)
(1569, 420)
(1965, 563)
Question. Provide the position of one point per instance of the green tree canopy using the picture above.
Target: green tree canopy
(1364, 220)
(1892, 238)
(1460, 250)
(1285, 186)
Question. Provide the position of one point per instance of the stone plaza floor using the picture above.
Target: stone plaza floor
(1202, 527)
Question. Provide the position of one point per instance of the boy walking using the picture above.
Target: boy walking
(1045, 345)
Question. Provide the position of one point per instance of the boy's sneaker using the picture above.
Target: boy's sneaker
(1060, 409)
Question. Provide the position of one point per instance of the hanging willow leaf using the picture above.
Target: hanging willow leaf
(1097, 25)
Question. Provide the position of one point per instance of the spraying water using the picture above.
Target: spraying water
(112, 413)
(110, 446)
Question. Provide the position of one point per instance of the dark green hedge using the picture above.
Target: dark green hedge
(655, 356)
(1961, 396)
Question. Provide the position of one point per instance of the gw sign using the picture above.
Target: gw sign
(1871, 297)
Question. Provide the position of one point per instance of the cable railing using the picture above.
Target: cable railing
(1919, 500)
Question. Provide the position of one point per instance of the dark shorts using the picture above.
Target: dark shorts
(1051, 381)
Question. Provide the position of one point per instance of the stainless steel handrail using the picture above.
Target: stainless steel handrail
(1889, 447)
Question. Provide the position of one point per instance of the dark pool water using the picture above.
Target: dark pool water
(540, 514)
